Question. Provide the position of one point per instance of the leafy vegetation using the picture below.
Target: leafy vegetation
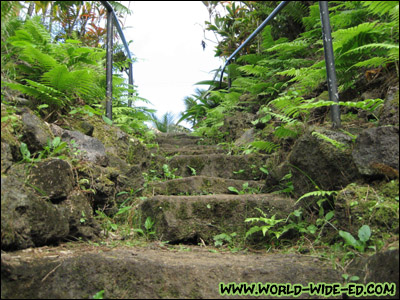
(59, 67)
(281, 69)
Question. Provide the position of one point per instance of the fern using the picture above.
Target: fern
(346, 39)
(380, 7)
(284, 132)
(40, 91)
(318, 194)
(335, 143)
(254, 70)
(266, 146)
(368, 104)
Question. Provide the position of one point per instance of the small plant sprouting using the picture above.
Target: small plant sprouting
(148, 225)
(99, 295)
(193, 170)
(245, 189)
(364, 234)
(270, 223)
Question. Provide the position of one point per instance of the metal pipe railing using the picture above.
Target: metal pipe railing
(257, 31)
(329, 62)
(110, 17)
(328, 51)
(109, 62)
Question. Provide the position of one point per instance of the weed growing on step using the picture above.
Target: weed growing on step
(232, 241)
(364, 234)
(192, 170)
(245, 189)
(149, 231)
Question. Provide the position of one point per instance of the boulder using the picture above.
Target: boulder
(390, 111)
(28, 220)
(38, 213)
(53, 178)
(91, 149)
(382, 267)
(315, 160)
(377, 152)
(35, 132)
(6, 157)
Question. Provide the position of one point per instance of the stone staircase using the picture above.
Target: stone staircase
(201, 204)
(188, 212)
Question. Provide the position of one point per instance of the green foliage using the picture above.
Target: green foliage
(149, 231)
(66, 76)
(245, 189)
(264, 146)
(54, 148)
(335, 143)
(269, 222)
(99, 295)
(222, 238)
(282, 70)
(166, 123)
(364, 234)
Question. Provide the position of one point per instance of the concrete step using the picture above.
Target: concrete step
(243, 167)
(151, 273)
(181, 218)
(203, 185)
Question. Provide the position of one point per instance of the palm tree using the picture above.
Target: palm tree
(164, 124)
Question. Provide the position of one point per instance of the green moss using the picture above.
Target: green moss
(376, 206)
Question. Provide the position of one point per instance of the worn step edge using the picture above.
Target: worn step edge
(246, 167)
(179, 218)
(144, 273)
(201, 185)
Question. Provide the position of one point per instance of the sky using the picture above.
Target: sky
(167, 39)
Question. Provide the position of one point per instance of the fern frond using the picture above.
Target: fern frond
(368, 104)
(373, 46)
(335, 143)
(372, 62)
(288, 49)
(267, 40)
(380, 7)
(266, 146)
(345, 39)
(34, 55)
(40, 92)
(254, 70)
(251, 59)
(283, 118)
(283, 132)
(319, 194)
(38, 32)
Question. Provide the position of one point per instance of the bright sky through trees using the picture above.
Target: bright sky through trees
(167, 39)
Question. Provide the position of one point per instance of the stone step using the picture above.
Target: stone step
(169, 150)
(177, 139)
(146, 273)
(243, 167)
(180, 218)
(203, 185)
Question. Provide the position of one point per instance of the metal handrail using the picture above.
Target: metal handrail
(328, 51)
(111, 15)
(257, 31)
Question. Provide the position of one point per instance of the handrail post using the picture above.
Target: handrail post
(109, 61)
(330, 63)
